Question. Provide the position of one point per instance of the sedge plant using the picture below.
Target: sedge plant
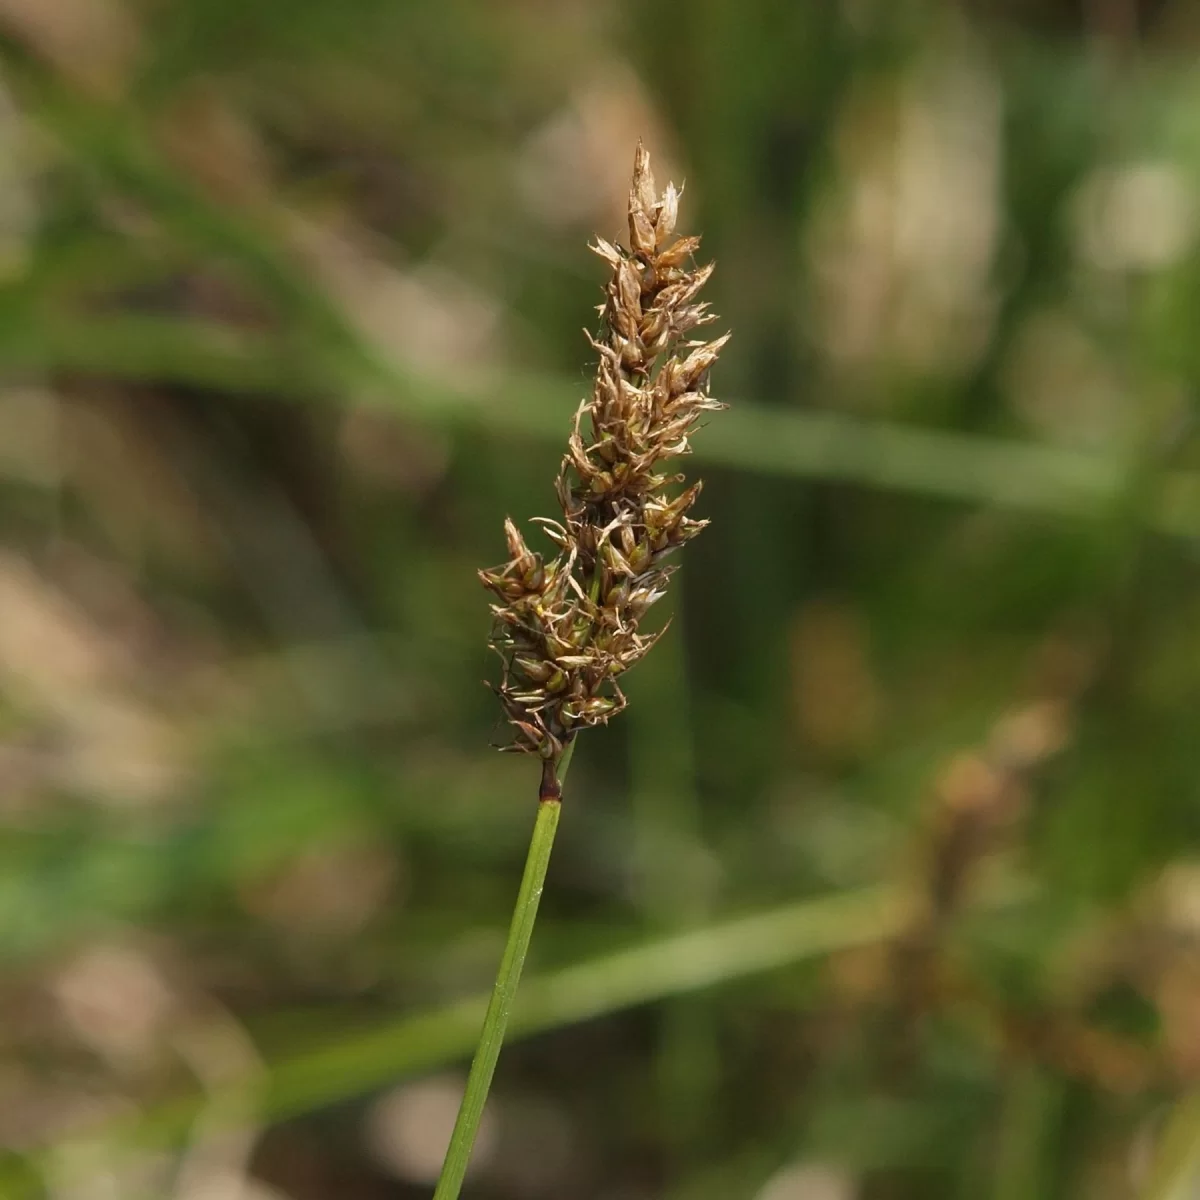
(567, 627)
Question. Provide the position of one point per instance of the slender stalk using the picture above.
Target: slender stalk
(495, 1022)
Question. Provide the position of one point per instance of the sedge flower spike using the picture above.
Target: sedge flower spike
(566, 628)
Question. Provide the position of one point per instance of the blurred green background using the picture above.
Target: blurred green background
(886, 886)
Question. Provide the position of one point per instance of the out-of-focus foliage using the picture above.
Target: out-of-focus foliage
(886, 886)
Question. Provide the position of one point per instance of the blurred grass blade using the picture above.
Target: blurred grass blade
(664, 967)
(148, 348)
(795, 443)
(719, 953)
(1176, 1166)
(1028, 1132)
(755, 438)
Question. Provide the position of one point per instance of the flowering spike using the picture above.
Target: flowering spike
(567, 628)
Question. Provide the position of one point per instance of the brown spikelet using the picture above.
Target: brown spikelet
(568, 628)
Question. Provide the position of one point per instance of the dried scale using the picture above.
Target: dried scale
(567, 629)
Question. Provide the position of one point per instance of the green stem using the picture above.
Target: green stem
(483, 1066)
